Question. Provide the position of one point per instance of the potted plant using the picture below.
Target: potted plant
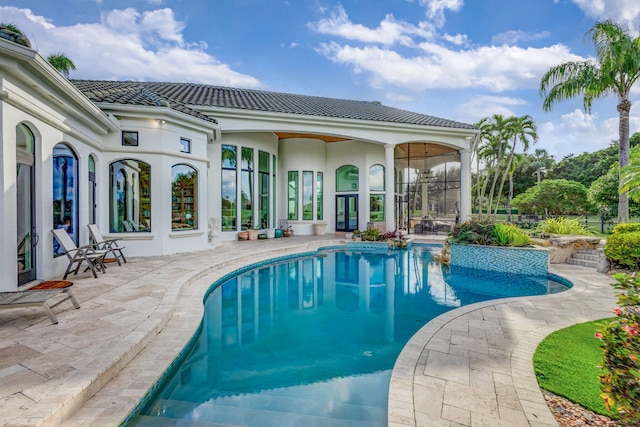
(288, 232)
(243, 235)
(253, 233)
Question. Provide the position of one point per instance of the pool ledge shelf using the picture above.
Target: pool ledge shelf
(532, 261)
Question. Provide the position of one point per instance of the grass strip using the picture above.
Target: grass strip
(567, 363)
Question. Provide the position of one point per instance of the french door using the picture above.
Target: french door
(27, 236)
(347, 212)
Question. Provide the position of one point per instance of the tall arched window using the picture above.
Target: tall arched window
(184, 198)
(347, 178)
(376, 193)
(65, 193)
(130, 199)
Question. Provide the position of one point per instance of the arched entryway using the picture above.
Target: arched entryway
(428, 182)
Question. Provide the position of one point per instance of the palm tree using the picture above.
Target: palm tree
(615, 71)
(61, 62)
(495, 133)
(521, 129)
(542, 161)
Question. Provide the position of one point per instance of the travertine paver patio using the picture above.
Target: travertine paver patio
(471, 366)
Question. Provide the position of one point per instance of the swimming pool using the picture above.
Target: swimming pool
(312, 340)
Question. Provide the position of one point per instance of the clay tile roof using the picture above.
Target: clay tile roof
(199, 95)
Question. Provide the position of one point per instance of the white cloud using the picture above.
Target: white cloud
(397, 97)
(626, 12)
(436, 9)
(497, 68)
(128, 45)
(512, 37)
(576, 133)
(486, 106)
(458, 39)
(389, 32)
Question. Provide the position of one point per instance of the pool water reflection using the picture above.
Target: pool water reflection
(312, 340)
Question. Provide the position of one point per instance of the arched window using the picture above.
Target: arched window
(65, 193)
(347, 178)
(130, 199)
(376, 178)
(376, 195)
(184, 198)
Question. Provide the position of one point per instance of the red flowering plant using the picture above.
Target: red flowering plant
(621, 352)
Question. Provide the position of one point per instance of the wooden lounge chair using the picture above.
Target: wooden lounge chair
(38, 296)
(87, 254)
(109, 245)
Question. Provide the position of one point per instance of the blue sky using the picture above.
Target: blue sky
(456, 59)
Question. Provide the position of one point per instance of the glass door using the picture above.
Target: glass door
(27, 237)
(347, 212)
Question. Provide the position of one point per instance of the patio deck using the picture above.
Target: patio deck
(470, 367)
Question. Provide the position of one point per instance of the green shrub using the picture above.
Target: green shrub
(370, 234)
(562, 225)
(487, 232)
(475, 232)
(626, 227)
(509, 235)
(621, 352)
(624, 250)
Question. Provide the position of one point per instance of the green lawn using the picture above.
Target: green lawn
(566, 363)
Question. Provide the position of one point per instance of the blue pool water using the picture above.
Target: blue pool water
(311, 341)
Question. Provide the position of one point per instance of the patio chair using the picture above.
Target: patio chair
(38, 296)
(109, 245)
(87, 254)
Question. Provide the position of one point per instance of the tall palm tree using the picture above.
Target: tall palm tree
(521, 129)
(494, 134)
(62, 63)
(615, 71)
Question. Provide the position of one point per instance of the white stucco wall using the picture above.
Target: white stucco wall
(303, 154)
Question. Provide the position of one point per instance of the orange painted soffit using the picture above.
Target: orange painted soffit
(325, 138)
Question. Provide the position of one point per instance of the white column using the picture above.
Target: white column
(465, 185)
(389, 188)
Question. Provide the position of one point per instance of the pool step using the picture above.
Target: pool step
(586, 258)
(263, 411)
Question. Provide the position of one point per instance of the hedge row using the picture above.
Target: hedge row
(623, 246)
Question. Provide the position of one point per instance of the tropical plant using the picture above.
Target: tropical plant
(13, 33)
(630, 175)
(562, 225)
(509, 235)
(616, 70)
(489, 233)
(370, 234)
(62, 63)
(621, 352)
